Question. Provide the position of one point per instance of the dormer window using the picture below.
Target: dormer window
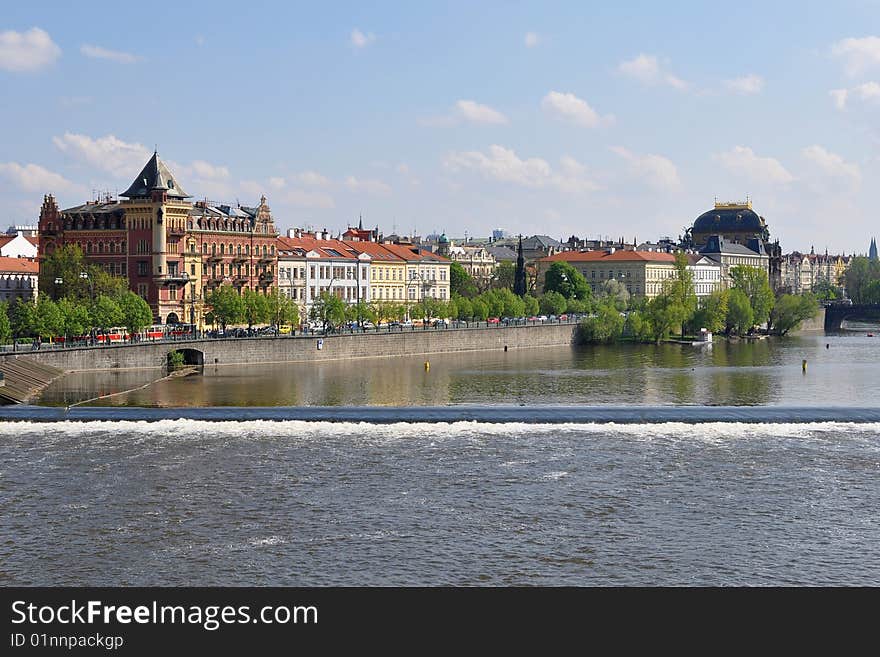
(170, 183)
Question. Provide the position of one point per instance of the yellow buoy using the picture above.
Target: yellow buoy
(427, 366)
(804, 365)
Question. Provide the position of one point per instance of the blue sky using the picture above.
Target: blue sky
(559, 118)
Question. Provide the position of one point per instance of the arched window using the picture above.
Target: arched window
(89, 247)
(222, 248)
(247, 249)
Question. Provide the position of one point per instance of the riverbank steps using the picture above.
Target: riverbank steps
(23, 379)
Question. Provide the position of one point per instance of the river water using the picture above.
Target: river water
(257, 502)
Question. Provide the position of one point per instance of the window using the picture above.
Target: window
(142, 290)
(142, 268)
(172, 292)
(192, 269)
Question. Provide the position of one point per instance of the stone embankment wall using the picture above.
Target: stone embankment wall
(812, 325)
(253, 351)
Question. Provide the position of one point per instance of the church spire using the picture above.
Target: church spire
(519, 278)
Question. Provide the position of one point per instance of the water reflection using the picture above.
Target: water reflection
(741, 373)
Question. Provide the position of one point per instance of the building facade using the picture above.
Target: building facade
(477, 261)
(736, 222)
(731, 254)
(172, 251)
(19, 279)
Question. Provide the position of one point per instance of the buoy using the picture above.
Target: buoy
(427, 366)
(804, 365)
(827, 346)
(505, 347)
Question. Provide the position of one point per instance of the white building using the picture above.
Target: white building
(707, 274)
(19, 278)
(18, 246)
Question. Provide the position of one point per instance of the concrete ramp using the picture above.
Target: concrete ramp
(23, 378)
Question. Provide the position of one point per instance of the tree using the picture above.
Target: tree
(255, 307)
(328, 309)
(105, 313)
(552, 303)
(480, 310)
(754, 283)
(136, 313)
(465, 308)
(605, 326)
(860, 274)
(664, 313)
(871, 292)
(826, 290)
(740, 317)
(712, 313)
(615, 291)
(67, 264)
(227, 306)
(281, 309)
(460, 282)
(23, 318)
(568, 281)
(5, 326)
(640, 325)
(531, 305)
(680, 288)
(77, 321)
(504, 276)
(790, 310)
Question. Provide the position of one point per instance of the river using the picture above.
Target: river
(258, 502)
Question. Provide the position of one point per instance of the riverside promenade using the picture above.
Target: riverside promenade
(299, 348)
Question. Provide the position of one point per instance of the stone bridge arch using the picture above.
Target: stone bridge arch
(191, 356)
(836, 314)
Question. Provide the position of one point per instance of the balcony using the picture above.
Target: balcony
(267, 279)
(214, 257)
(181, 278)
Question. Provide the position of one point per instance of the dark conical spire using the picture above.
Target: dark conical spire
(519, 278)
(155, 175)
(360, 222)
(872, 252)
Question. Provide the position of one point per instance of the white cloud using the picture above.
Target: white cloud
(306, 199)
(27, 51)
(531, 39)
(97, 52)
(866, 92)
(647, 70)
(465, 110)
(205, 170)
(746, 85)
(477, 113)
(277, 183)
(833, 165)
(369, 186)
(742, 161)
(657, 171)
(200, 40)
(858, 54)
(503, 165)
(122, 159)
(34, 178)
(571, 108)
(361, 40)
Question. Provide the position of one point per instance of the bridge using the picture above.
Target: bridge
(836, 314)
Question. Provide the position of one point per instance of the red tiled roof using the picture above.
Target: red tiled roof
(604, 256)
(19, 265)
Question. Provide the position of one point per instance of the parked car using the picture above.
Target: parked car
(368, 325)
(563, 318)
(541, 318)
(440, 323)
(493, 320)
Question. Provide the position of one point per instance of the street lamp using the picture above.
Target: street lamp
(85, 276)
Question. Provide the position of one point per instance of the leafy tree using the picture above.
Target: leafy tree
(360, 312)
(465, 308)
(567, 281)
(615, 291)
(665, 313)
(871, 292)
(136, 313)
(826, 290)
(578, 306)
(451, 309)
(754, 283)
(460, 282)
(5, 325)
(105, 313)
(227, 306)
(255, 307)
(281, 309)
(712, 313)
(480, 310)
(328, 309)
(67, 265)
(552, 303)
(503, 278)
(860, 274)
(605, 326)
(640, 325)
(740, 316)
(531, 305)
(680, 288)
(790, 310)
(23, 318)
(77, 321)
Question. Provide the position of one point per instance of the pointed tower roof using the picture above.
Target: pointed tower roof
(155, 175)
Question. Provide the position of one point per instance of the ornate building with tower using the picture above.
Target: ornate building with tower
(172, 251)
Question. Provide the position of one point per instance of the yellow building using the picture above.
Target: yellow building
(387, 272)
